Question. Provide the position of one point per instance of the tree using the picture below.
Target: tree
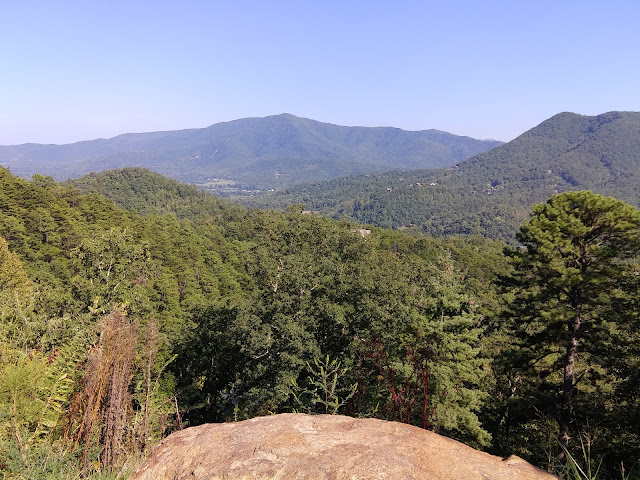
(416, 346)
(17, 299)
(572, 274)
(109, 268)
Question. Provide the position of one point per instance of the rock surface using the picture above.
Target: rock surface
(297, 446)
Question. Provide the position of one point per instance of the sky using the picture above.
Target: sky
(80, 70)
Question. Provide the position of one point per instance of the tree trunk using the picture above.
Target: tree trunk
(568, 381)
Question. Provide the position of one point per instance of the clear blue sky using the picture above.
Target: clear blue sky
(78, 70)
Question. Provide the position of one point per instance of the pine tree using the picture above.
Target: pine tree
(572, 273)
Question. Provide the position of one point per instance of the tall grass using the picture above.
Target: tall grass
(588, 468)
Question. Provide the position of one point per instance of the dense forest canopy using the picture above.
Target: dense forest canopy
(160, 307)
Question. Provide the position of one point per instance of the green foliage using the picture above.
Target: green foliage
(422, 354)
(570, 321)
(321, 289)
(580, 469)
(583, 465)
(17, 298)
(34, 393)
(227, 309)
(109, 266)
(69, 258)
(489, 194)
(324, 391)
(145, 192)
(58, 382)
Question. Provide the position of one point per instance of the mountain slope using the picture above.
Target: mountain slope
(258, 153)
(491, 193)
(146, 192)
(600, 153)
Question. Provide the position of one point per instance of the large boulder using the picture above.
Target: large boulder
(297, 446)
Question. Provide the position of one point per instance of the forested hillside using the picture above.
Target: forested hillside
(124, 319)
(253, 153)
(146, 192)
(491, 193)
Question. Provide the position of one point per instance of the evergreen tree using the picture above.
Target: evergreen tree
(571, 277)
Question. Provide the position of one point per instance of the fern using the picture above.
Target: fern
(324, 388)
(56, 387)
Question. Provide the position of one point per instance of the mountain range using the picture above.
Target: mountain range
(250, 153)
(491, 193)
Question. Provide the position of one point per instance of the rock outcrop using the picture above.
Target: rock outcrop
(297, 446)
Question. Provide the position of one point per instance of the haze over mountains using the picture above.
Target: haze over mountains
(491, 193)
(253, 153)
(381, 176)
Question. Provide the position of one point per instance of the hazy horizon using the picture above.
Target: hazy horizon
(489, 70)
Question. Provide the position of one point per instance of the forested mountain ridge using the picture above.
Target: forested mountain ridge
(489, 194)
(600, 153)
(256, 153)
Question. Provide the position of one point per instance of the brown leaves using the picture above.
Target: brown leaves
(104, 403)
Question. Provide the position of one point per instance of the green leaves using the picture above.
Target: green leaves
(324, 388)
(109, 266)
(570, 314)
(34, 392)
(254, 303)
